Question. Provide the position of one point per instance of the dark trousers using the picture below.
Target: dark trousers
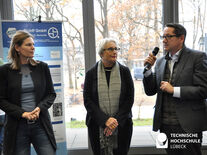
(180, 142)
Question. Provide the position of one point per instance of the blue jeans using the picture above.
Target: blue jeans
(34, 134)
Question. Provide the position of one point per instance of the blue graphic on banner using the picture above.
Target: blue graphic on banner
(47, 38)
(45, 33)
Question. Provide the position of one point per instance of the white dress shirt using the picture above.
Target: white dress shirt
(171, 62)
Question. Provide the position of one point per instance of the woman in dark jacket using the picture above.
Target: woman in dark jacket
(26, 94)
(108, 99)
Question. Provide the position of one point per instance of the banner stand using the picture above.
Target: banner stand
(48, 48)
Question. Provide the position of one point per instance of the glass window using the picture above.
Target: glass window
(70, 13)
(192, 14)
(136, 25)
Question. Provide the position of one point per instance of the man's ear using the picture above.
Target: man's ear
(182, 38)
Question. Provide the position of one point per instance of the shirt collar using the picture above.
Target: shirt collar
(175, 56)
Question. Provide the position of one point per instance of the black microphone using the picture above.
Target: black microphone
(154, 52)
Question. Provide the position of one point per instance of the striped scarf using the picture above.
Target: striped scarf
(109, 103)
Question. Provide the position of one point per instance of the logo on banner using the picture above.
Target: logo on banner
(53, 33)
(11, 31)
(161, 141)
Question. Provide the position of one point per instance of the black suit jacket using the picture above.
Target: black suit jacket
(10, 101)
(191, 77)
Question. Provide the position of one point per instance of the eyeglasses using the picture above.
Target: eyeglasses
(167, 37)
(111, 49)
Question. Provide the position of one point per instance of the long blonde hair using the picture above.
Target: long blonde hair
(13, 55)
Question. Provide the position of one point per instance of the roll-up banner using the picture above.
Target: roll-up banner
(48, 48)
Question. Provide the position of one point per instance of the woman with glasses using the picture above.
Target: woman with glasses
(108, 99)
(26, 94)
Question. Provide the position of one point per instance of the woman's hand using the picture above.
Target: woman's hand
(28, 116)
(33, 115)
(36, 112)
(108, 131)
(111, 123)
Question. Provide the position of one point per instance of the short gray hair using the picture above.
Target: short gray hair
(102, 44)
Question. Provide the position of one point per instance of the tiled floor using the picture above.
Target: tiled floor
(142, 136)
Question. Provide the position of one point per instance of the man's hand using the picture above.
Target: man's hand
(166, 87)
(150, 59)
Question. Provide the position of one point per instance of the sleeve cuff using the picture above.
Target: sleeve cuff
(176, 92)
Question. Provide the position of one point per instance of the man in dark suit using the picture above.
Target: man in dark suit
(180, 82)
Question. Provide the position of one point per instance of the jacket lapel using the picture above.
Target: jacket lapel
(181, 63)
(161, 69)
(15, 74)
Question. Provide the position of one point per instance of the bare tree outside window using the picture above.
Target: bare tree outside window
(69, 12)
(136, 24)
(72, 30)
(192, 16)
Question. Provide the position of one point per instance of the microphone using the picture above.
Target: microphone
(154, 52)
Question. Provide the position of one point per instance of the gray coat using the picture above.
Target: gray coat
(191, 77)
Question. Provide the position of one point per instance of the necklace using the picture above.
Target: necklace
(108, 69)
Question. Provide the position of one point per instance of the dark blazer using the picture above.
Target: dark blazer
(10, 95)
(95, 117)
(191, 77)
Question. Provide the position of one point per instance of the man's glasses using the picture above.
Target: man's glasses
(168, 37)
(111, 49)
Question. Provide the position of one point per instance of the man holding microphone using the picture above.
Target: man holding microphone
(180, 82)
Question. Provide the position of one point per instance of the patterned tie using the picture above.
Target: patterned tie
(169, 65)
